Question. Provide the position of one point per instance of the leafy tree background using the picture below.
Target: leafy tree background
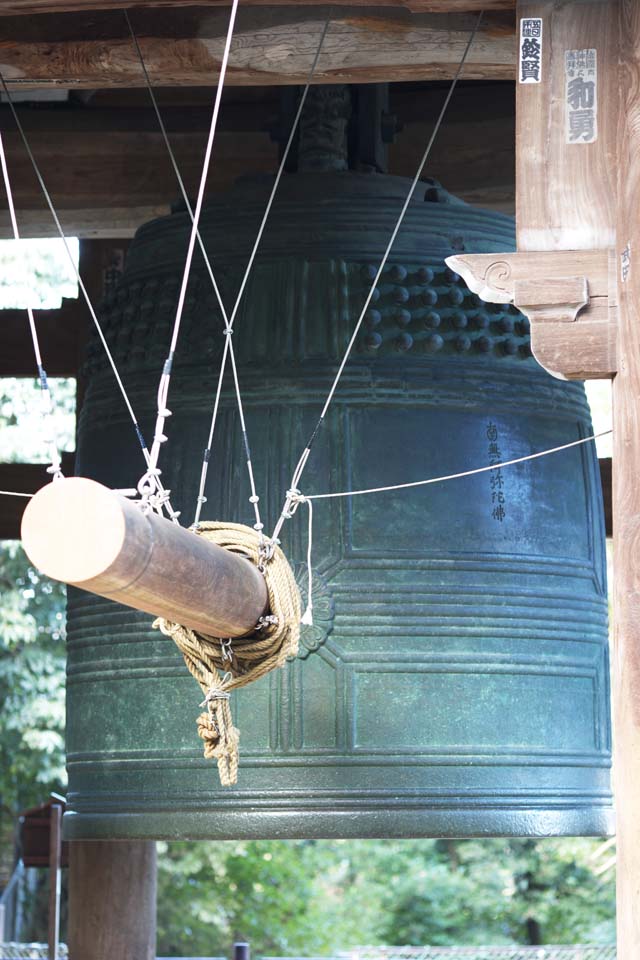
(36, 273)
(314, 898)
(300, 898)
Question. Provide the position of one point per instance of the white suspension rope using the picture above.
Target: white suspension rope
(55, 468)
(201, 499)
(228, 350)
(149, 481)
(290, 499)
(308, 498)
(228, 346)
(455, 476)
(163, 495)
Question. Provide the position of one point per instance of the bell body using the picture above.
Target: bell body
(454, 681)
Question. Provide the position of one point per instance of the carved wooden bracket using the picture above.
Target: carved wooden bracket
(569, 297)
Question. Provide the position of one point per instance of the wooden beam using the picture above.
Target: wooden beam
(92, 223)
(626, 493)
(59, 333)
(565, 212)
(569, 297)
(272, 45)
(81, 533)
(23, 7)
(108, 176)
(567, 195)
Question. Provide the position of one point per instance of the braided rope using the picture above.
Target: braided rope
(221, 665)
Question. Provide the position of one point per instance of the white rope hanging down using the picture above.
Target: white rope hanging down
(296, 497)
(163, 495)
(228, 344)
(290, 499)
(456, 476)
(149, 481)
(228, 348)
(308, 498)
(55, 468)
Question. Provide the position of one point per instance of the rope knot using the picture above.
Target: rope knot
(213, 694)
(293, 501)
(272, 642)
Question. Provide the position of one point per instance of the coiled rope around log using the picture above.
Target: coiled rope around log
(221, 665)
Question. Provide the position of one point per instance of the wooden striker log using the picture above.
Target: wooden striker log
(80, 532)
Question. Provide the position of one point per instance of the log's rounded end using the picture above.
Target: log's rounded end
(73, 529)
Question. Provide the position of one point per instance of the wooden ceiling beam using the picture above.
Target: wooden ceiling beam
(59, 332)
(272, 45)
(30, 7)
(107, 178)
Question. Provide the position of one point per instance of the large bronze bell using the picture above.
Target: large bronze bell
(454, 682)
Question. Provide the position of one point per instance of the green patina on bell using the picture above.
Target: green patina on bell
(454, 681)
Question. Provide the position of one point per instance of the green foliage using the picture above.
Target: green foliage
(309, 898)
(21, 433)
(31, 682)
(36, 273)
(285, 898)
(500, 891)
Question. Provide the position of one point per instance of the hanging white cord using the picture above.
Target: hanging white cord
(149, 481)
(228, 345)
(55, 469)
(291, 499)
(201, 499)
(307, 616)
(298, 498)
(301, 498)
(164, 494)
(456, 476)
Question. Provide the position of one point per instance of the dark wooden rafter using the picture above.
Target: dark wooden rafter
(60, 332)
(272, 45)
(24, 7)
(108, 173)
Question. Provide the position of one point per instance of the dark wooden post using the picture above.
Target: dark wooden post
(112, 885)
(241, 951)
(112, 900)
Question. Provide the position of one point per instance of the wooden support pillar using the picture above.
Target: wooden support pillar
(564, 273)
(580, 199)
(626, 495)
(112, 900)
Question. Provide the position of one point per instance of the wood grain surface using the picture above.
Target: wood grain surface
(271, 45)
(80, 532)
(568, 202)
(626, 499)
